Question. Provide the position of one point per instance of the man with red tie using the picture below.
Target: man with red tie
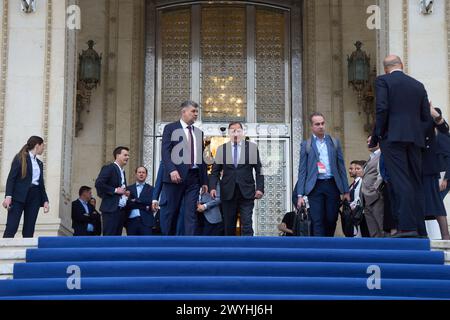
(184, 171)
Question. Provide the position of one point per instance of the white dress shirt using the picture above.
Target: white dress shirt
(358, 184)
(36, 170)
(188, 136)
(124, 198)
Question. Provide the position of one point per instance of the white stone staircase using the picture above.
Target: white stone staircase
(13, 251)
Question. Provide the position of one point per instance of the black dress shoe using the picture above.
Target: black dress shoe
(406, 234)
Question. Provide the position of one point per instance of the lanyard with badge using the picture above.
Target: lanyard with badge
(320, 166)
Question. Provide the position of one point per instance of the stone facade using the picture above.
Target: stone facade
(38, 80)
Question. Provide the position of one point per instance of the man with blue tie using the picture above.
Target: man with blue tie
(140, 220)
(238, 159)
(184, 171)
(322, 178)
(83, 213)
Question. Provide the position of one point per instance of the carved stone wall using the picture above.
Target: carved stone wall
(115, 113)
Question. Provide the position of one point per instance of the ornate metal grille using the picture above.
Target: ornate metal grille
(272, 207)
(175, 61)
(223, 64)
(270, 66)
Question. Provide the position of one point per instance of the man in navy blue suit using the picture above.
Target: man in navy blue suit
(322, 178)
(140, 214)
(111, 187)
(402, 107)
(184, 171)
(84, 217)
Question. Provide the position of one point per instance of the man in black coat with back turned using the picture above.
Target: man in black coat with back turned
(237, 158)
(402, 107)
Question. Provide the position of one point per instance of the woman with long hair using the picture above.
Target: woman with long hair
(25, 189)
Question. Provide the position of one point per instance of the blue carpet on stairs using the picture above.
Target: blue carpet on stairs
(220, 268)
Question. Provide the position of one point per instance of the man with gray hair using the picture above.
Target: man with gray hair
(402, 107)
(184, 171)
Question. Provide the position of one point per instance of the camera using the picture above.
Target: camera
(223, 130)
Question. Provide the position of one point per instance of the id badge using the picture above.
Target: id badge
(321, 168)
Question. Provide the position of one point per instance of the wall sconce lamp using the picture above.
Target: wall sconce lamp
(361, 79)
(28, 6)
(89, 76)
(426, 6)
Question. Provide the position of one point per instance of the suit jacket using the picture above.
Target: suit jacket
(212, 214)
(141, 203)
(159, 182)
(308, 172)
(17, 188)
(175, 140)
(430, 156)
(401, 107)
(107, 181)
(242, 175)
(80, 219)
(371, 181)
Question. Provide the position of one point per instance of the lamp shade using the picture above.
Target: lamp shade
(90, 66)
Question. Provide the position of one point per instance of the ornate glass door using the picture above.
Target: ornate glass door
(234, 59)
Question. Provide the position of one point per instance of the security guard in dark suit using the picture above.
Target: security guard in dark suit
(25, 189)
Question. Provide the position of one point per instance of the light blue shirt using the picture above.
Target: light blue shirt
(90, 227)
(136, 213)
(322, 148)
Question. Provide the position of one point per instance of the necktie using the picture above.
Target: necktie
(191, 143)
(139, 189)
(352, 185)
(235, 156)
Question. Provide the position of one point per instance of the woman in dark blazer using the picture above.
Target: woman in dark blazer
(25, 189)
(434, 205)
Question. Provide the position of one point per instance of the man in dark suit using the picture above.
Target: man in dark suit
(140, 217)
(402, 107)
(184, 171)
(83, 219)
(237, 159)
(322, 178)
(111, 187)
(97, 218)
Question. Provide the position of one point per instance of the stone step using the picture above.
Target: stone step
(442, 245)
(19, 244)
(6, 270)
(8, 255)
(13, 251)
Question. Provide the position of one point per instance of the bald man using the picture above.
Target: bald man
(401, 107)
